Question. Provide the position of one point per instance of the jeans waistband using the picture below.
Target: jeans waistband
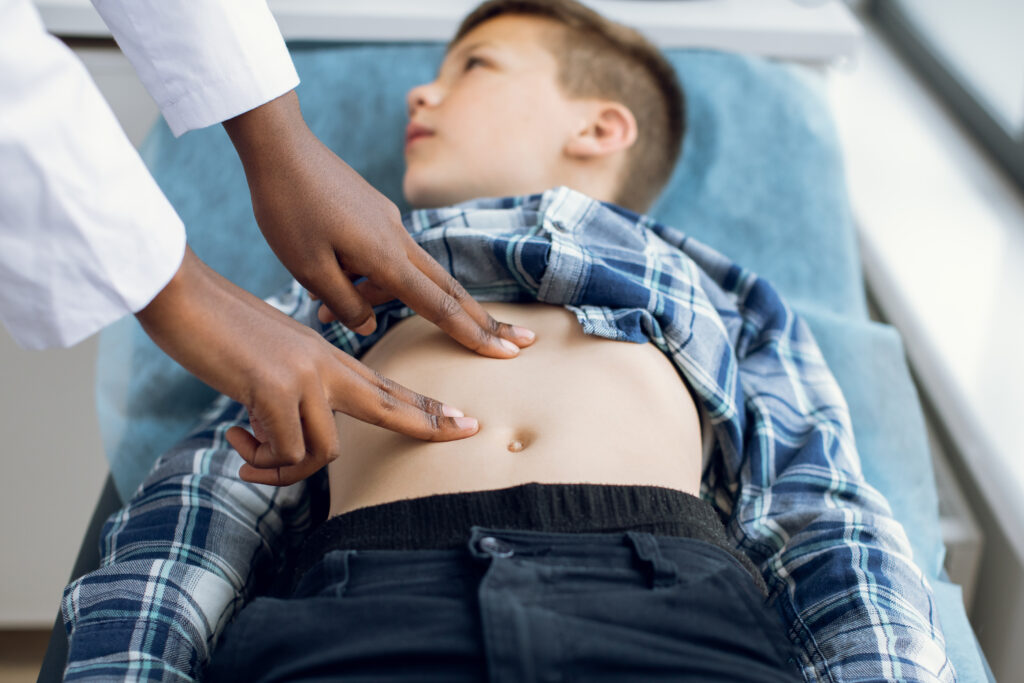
(445, 521)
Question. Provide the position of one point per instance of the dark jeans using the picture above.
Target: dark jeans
(515, 606)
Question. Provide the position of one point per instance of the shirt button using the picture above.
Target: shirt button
(495, 547)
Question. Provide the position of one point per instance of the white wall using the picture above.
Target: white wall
(53, 469)
(981, 41)
(52, 459)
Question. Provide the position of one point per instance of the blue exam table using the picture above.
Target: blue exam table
(760, 179)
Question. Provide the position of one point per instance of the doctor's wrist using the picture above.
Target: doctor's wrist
(269, 136)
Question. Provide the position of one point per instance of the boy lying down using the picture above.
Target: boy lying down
(580, 532)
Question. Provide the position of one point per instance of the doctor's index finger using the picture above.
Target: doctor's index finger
(377, 400)
(427, 288)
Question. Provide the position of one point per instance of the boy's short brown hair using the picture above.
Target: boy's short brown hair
(600, 58)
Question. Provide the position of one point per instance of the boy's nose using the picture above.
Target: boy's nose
(425, 95)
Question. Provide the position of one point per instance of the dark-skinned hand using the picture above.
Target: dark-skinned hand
(329, 227)
(289, 377)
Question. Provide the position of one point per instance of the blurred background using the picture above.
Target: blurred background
(928, 97)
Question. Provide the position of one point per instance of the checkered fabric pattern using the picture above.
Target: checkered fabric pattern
(195, 542)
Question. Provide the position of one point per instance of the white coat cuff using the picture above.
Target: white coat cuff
(211, 103)
(202, 61)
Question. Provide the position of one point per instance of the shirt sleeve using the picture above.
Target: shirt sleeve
(839, 565)
(202, 62)
(787, 477)
(178, 561)
(190, 548)
(86, 236)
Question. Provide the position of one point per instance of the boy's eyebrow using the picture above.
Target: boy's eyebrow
(468, 48)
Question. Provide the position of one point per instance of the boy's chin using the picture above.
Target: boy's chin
(420, 197)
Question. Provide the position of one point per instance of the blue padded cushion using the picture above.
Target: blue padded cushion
(760, 179)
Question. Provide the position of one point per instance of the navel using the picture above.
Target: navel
(520, 439)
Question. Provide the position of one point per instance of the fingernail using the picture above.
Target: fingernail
(509, 346)
(466, 422)
(451, 411)
(523, 333)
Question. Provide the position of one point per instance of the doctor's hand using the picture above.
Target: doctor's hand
(328, 226)
(288, 376)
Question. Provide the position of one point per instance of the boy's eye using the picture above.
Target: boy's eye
(473, 62)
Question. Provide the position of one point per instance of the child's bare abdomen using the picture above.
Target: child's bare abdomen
(570, 409)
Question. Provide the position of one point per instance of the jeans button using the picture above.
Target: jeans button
(495, 547)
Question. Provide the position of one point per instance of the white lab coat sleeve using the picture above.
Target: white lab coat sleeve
(86, 236)
(203, 61)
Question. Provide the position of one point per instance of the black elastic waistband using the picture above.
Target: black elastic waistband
(443, 521)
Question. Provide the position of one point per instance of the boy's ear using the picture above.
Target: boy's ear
(606, 127)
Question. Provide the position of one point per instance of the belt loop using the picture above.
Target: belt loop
(331, 574)
(663, 571)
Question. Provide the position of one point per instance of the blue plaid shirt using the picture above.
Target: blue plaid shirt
(195, 542)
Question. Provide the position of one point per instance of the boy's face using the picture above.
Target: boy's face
(494, 122)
